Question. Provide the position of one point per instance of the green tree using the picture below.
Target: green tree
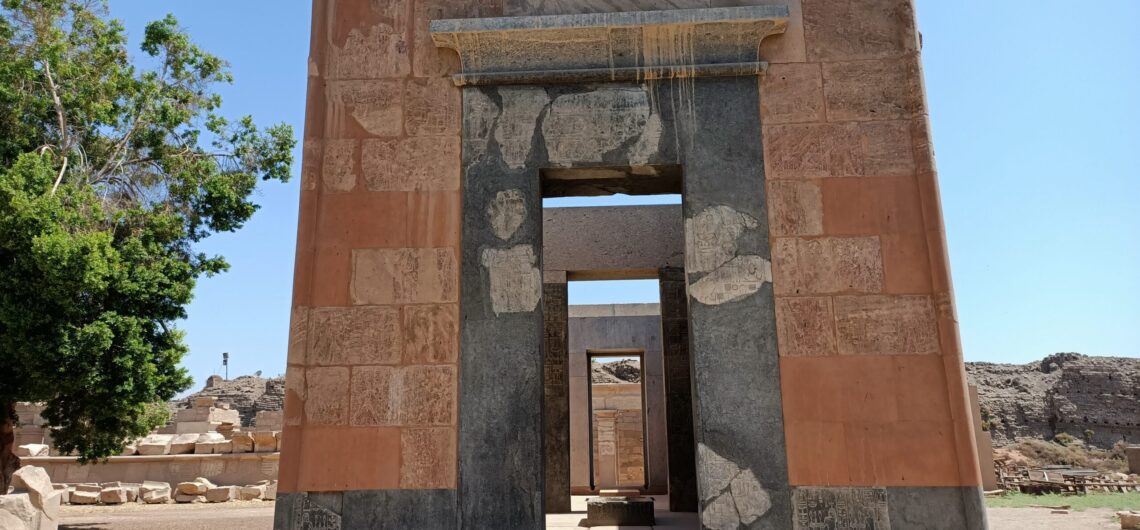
(110, 174)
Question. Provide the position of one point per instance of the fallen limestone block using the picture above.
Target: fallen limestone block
(19, 506)
(35, 482)
(277, 438)
(64, 493)
(251, 493)
(183, 444)
(50, 509)
(208, 437)
(264, 442)
(183, 498)
(114, 496)
(242, 442)
(32, 450)
(191, 488)
(221, 494)
(155, 492)
(88, 486)
(155, 444)
(270, 492)
(84, 497)
(1129, 520)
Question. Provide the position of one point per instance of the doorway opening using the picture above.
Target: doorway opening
(617, 420)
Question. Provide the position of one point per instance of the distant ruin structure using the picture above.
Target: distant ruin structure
(810, 368)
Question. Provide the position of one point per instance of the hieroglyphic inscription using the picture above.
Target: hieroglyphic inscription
(735, 280)
(840, 509)
(506, 213)
(516, 282)
(886, 325)
(354, 335)
(732, 495)
(411, 164)
(838, 150)
(313, 516)
(432, 107)
(404, 276)
(584, 127)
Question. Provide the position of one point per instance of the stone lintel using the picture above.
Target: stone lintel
(630, 46)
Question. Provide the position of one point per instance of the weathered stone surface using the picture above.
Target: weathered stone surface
(806, 326)
(354, 335)
(155, 444)
(31, 450)
(35, 482)
(327, 390)
(795, 208)
(886, 325)
(155, 492)
(375, 395)
(827, 265)
(198, 486)
(404, 276)
(372, 51)
(791, 93)
(427, 458)
(18, 513)
(838, 150)
(740, 277)
(556, 396)
(213, 448)
(184, 498)
(840, 508)
(221, 494)
(270, 491)
(516, 281)
(339, 163)
(840, 31)
(432, 107)
(412, 164)
(710, 237)
(376, 105)
(514, 130)
(873, 90)
(431, 334)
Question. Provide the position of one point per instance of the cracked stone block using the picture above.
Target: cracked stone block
(615, 511)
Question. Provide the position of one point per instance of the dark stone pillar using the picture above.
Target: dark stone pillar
(500, 357)
(556, 393)
(742, 472)
(678, 391)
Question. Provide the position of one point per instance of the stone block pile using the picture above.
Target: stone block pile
(33, 503)
(151, 492)
(208, 443)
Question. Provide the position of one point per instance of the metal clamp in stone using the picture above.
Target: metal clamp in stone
(608, 47)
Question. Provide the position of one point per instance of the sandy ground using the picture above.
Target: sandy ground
(257, 515)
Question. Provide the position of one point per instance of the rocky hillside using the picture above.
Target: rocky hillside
(1096, 399)
(623, 371)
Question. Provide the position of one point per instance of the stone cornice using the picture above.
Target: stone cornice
(610, 46)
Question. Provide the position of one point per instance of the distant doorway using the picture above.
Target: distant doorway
(617, 422)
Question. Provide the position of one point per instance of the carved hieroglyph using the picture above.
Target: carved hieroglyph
(376, 105)
(506, 213)
(840, 508)
(516, 281)
(354, 335)
(733, 496)
(584, 127)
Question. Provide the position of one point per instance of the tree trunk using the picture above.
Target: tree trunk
(9, 462)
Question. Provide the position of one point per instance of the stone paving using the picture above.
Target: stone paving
(666, 520)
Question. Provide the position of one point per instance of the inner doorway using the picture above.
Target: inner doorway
(617, 420)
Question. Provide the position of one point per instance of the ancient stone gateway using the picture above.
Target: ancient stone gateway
(809, 330)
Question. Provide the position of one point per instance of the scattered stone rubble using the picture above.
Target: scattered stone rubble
(623, 371)
(150, 492)
(247, 395)
(1096, 399)
(33, 503)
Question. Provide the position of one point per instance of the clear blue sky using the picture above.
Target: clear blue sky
(1036, 114)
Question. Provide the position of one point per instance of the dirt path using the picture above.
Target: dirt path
(257, 515)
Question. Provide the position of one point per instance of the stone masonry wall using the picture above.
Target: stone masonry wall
(374, 339)
(871, 366)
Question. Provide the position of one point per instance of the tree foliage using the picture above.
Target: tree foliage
(110, 174)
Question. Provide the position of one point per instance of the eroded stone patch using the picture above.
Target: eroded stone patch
(506, 213)
(516, 282)
(710, 237)
(515, 129)
(733, 496)
(584, 127)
